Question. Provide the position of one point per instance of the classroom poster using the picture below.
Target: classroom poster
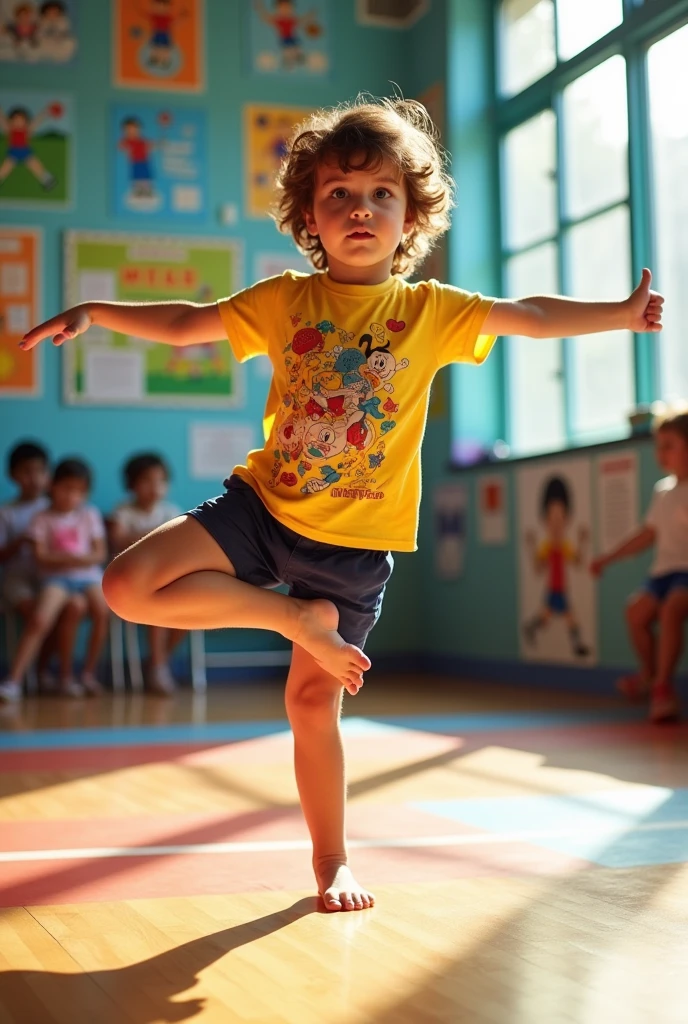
(450, 508)
(267, 129)
(36, 148)
(38, 32)
(291, 37)
(272, 264)
(106, 368)
(493, 524)
(435, 263)
(557, 592)
(159, 44)
(216, 448)
(159, 158)
(20, 310)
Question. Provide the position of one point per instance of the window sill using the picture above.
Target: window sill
(584, 447)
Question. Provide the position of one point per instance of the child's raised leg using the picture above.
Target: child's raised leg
(179, 577)
(641, 615)
(313, 700)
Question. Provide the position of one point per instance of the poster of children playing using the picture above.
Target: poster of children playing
(36, 144)
(288, 37)
(158, 44)
(159, 157)
(41, 32)
(116, 369)
(557, 592)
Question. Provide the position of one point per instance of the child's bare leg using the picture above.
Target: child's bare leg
(179, 577)
(46, 611)
(99, 614)
(672, 615)
(173, 638)
(641, 613)
(313, 700)
(157, 643)
(66, 633)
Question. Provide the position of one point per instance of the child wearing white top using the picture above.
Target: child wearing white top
(69, 545)
(663, 600)
(146, 477)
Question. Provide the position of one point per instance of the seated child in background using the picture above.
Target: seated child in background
(70, 549)
(146, 477)
(28, 468)
(664, 598)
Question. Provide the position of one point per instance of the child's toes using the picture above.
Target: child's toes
(331, 901)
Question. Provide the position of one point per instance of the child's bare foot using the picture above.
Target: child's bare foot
(634, 687)
(317, 634)
(339, 889)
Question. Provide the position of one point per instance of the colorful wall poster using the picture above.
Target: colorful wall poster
(617, 498)
(107, 368)
(267, 129)
(20, 310)
(216, 448)
(288, 37)
(450, 508)
(160, 162)
(159, 44)
(36, 148)
(38, 32)
(493, 523)
(272, 264)
(557, 591)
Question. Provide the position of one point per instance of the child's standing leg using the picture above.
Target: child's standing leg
(50, 603)
(98, 613)
(673, 613)
(641, 615)
(313, 700)
(74, 612)
(161, 643)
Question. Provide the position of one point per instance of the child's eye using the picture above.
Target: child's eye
(339, 193)
(382, 193)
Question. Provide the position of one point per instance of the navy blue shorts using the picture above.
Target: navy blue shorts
(557, 602)
(661, 586)
(266, 554)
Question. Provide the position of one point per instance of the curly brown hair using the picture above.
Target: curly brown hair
(360, 135)
(674, 418)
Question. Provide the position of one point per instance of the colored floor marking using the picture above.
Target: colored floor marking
(633, 826)
(219, 732)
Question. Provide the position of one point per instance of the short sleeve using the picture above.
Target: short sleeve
(653, 514)
(248, 316)
(460, 316)
(96, 526)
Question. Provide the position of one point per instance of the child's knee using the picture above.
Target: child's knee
(313, 699)
(121, 582)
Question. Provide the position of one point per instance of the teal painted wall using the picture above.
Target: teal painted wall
(364, 59)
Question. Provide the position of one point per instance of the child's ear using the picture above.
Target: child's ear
(409, 221)
(309, 220)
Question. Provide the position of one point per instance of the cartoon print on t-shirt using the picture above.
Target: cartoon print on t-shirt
(338, 408)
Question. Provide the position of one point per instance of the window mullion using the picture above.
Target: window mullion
(566, 351)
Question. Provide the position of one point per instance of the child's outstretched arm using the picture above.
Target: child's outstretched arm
(550, 316)
(640, 541)
(171, 323)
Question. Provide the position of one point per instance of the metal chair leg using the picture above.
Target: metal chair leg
(199, 679)
(116, 653)
(131, 635)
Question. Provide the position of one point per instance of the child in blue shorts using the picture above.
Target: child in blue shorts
(336, 487)
(662, 603)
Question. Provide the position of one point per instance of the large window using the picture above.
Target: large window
(583, 87)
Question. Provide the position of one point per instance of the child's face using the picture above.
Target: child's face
(360, 216)
(31, 477)
(150, 486)
(132, 130)
(68, 494)
(671, 450)
(18, 121)
(556, 518)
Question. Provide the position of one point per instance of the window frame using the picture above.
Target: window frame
(644, 23)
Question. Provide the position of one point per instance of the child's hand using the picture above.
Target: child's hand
(644, 307)
(598, 565)
(63, 327)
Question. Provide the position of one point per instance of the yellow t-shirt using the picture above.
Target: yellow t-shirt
(347, 406)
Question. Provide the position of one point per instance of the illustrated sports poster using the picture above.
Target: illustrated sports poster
(288, 38)
(159, 158)
(20, 310)
(557, 591)
(266, 133)
(159, 44)
(38, 33)
(36, 148)
(118, 369)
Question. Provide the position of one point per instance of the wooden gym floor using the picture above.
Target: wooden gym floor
(528, 852)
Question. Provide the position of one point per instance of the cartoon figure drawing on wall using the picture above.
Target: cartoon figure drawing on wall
(142, 194)
(333, 415)
(551, 556)
(19, 126)
(289, 28)
(159, 52)
(35, 33)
